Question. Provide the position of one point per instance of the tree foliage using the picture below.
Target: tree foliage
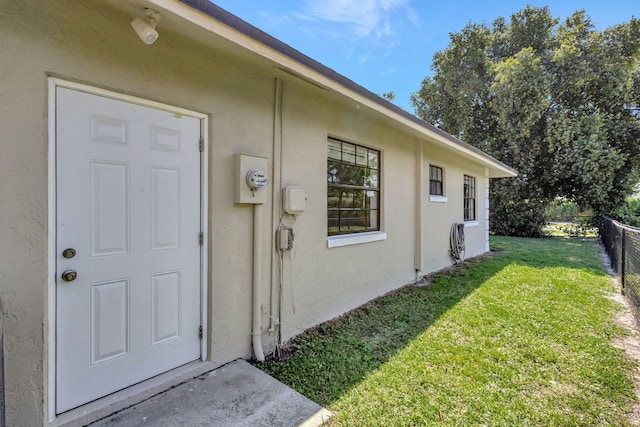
(558, 102)
(389, 96)
(628, 213)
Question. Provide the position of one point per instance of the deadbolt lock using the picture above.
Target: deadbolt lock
(69, 276)
(69, 253)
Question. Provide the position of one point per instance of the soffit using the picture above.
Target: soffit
(228, 35)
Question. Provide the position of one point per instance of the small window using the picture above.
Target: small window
(436, 181)
(353, 188)
(469, 198)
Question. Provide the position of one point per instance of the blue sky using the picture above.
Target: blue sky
(388, 45)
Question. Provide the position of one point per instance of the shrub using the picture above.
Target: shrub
(508, 217)
(628, 213)
(562, 210)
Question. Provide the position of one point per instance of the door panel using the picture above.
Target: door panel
(109, 208)
(165, 208)
(109, 320)
(128, 202)
(166, 306)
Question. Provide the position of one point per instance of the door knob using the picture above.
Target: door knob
(69, 253)
(69, 276)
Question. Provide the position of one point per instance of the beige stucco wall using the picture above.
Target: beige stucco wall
(83, 41)
(438, 216)
(323, 282)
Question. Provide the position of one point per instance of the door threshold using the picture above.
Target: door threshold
(130, 396)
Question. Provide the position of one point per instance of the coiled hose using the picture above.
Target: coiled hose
(456, 241)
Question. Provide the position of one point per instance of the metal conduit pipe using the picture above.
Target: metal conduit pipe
(2, 408)
(256, 333)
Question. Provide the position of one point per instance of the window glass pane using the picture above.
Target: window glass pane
(333, 221)
(333, 197)
(360, 175)
(348, 220)
(436, 173)
(359, 199)
(346, 199)
(373, 159)
(469, 210)
(371, 180)
(362, 221)
(435, 188)
(361, 156)
(332, 172)
(352, 175)
(366, 199)
(348, 152)
(373, 220)
(346, 174)
(334, 150)
(371, 201)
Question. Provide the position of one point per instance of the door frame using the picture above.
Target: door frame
(50, 323)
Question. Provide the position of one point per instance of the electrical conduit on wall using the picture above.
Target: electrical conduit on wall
(257, 282)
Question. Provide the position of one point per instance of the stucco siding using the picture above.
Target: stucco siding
(85, 42)
(438, 216)
(90, 43)
(323, 282)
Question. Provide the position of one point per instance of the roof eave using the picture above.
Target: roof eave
(213, 18)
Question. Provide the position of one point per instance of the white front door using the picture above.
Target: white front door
(128, 225)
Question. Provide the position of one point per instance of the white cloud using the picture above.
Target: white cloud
(364, 57)
(364, 18)
(363, 30)
(272, 20)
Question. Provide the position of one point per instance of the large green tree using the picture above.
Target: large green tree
(558, 102)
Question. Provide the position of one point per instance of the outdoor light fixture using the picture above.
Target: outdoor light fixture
(146, 28)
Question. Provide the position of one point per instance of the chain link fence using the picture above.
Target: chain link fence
(622, 243)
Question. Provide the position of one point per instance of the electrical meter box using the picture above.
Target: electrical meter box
(293, 200)
(251, 178)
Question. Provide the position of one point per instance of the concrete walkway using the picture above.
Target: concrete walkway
(235, 395)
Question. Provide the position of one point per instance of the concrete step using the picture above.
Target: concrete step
(234, 395)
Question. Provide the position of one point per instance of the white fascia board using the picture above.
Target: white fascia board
(210, 24)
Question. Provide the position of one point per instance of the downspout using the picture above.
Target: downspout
(256, 333)
(418, 244)
(276, 183)
(486, 210)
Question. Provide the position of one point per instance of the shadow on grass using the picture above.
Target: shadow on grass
(330, 359)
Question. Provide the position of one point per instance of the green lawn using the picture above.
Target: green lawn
(520, 338)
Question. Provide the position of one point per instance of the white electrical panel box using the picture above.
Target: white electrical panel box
(251, 178)
(294, 200)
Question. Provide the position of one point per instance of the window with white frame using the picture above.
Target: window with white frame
(436, 181)
(469, 198)
(353, 188)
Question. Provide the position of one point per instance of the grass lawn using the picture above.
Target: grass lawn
(520, 338)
